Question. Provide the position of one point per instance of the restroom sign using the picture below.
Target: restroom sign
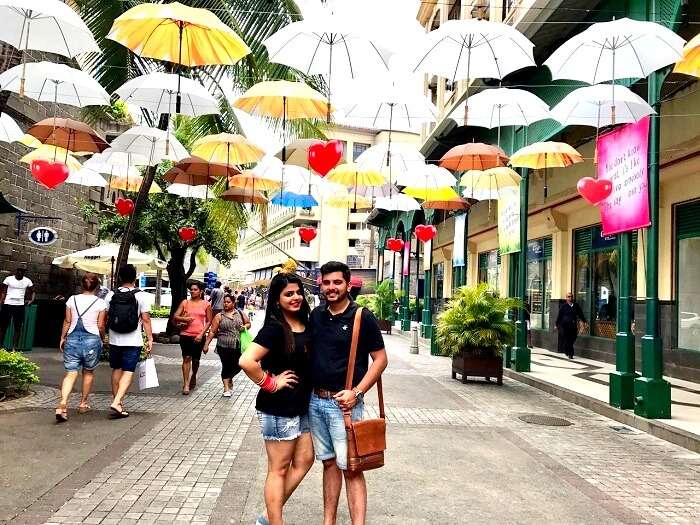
(43, 236)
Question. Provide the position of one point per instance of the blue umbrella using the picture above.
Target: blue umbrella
(288, 198)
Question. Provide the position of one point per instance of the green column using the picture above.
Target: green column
(622, 380)
(465, 257)
(521, 350)
(416, 308)
(405, 287)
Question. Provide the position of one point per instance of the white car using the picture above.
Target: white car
(166, 298)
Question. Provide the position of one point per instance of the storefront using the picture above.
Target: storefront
(687, 273)
(539, 282)
(490, 268)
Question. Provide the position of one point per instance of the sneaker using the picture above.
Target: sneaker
(261, 520)
(227, 394)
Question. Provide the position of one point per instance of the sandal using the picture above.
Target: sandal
(62, 414)
(193, 382)
(115, 413)
(185, 391)
(82, 409)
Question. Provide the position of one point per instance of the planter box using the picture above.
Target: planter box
(385, 325)
(486, 366)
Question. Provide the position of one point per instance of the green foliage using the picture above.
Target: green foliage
(21, 370)
(476, 321)
(160, 313)
(383, 299)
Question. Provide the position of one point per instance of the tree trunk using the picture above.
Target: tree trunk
(178, 282)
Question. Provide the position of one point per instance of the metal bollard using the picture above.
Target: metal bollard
(414, 340)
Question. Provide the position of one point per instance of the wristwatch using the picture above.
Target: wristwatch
(359, 394)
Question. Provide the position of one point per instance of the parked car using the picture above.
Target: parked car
(166, 298)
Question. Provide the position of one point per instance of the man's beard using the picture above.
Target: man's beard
(340, 298)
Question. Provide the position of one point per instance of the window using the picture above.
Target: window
(539, 282)
(439, 273)
(688, 275)
(490, 268)
(358, 148)
(352, 243)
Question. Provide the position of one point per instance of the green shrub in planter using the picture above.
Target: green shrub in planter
(21, 371)
(160, 313)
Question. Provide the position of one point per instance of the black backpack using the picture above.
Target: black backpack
(124, 311)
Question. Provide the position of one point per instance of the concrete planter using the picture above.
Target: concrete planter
(385, 325)
(467, 364)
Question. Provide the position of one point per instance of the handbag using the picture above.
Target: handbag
(146, 371)
(367, 438)
(183, 324)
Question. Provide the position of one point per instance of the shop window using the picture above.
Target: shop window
(439, 274)
(490, 268)
(688, 275)
(539, 282)
(358, 148)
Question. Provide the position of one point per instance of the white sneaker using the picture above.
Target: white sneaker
(227, 393)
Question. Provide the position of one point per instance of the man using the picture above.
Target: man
(240, 301)
(128, 313)
(216, 298)
(567, 325)
(17, 292)
(332, 326)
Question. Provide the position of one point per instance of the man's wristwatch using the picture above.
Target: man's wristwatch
(359, 394)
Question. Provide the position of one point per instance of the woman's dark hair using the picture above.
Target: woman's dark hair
(195, 283)
(90, 282)
(231, 297)
(273, 312)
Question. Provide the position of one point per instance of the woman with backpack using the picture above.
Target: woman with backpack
(227, 327)
(81, 342)
(193, 316)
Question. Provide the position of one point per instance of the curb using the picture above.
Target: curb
(656, 428)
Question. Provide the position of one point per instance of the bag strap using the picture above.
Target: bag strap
(357, 325)
(75, 302)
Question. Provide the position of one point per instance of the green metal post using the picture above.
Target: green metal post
(465, 255)
(405, 286)
(622, 380)
(521, 350)
(416, 308)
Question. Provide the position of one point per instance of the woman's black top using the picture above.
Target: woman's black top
(287, 402)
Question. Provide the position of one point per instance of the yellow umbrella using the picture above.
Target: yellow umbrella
(253, 182)
(493, 178)
(52, 154)
(132, 184)
(226, 148)
(543, 155)
(350, 174)
(346, 199)
(431, 194)
(29, 141)
(690, 63)
(282, 99)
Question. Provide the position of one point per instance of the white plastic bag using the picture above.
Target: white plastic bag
(146, 370)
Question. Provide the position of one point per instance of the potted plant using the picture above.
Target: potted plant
(17, 373)
(381, 303)
(473, 329)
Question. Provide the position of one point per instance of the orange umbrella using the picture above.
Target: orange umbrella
(68, 134)
(243, 195)
(199, 166)
(474, 156)
(452, 204)
(178, 176)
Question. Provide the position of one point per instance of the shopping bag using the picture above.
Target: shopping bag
(146, 370)
(246, 339)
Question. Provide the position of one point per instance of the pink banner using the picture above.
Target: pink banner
(622, 159)
(406, 257)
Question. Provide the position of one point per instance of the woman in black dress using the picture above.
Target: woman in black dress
(567, 325)
(278, 361)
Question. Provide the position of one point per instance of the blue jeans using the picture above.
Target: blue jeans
(280, 428)
(328, 429)
(82, 351)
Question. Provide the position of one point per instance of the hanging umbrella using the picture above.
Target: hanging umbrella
(690, 63)
(153, 143)
(375, 192)
(86, 177)
(398, 202)
(390, 159)
(227, 149)
(249, 180)
(426, 175)
(291, 199)
(57, 83)
(350, 174)
(52, 154)
(297, 152)
(132, 184)
(243, 195)
(68, 134)
(343, 198)
(197, 166)
(157, 92)
(101, 259)
(189, 191)
(177, 176)
(186, 36)
(9, 130)
(29, 141)
(608, 51)
(544, 155)
(447, 205)
(431, 194)
(473, 156)
(488, 184)
(118, 163)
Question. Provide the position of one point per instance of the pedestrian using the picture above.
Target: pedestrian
(567, 325)
(128, 314)
(278, 361)
(227, 326)
(331, 334)
(16, 294)
(216, 297)
(81, 342)
(194, 317)
(240, 301)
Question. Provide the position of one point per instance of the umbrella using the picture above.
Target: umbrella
(52, 154)
(608, 51)
(488, 184)
(375, 192)
(157, 92)
(346, 199)
(86, 177)
(57, 83)
(177, 176)
(119, 163)
(132, 184)
(473, 156)
(426, 175)
(350, 174)
(29, 141)
(243, 195)
(227, 149)
(297, 152)
(153, 143)
(101, 259)
(68, 134)
(450, 204)
(249, 180)
(431, 194)
(292, 199)
(9, 130)
(390, 159)
(690, 63)
(543, 155)
(398, 202)
(177, 33)
(197, 166)
(189, 191)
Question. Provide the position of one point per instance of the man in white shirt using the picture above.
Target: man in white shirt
(128, 313)
(16, 293)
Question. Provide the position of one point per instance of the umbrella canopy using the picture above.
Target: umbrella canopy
(473, 156)
(49, 82)
(297, 152)
(227, 149)
(101, 259)
(9, 130)
(177, 176)
(52, 154)
(7, 207)
(431, 194)
(188, 191)
(391, 159)
(451, 204)
(350, 174)
(68, 134)
(249, 180)
(282, 99)
(347, 199)
(243, 195)
(157, 92)
(291, 199)
(690, 63)
(197, 166)
(498, 107)
(491, 179)
(132, 184)
(398, 202)
(543, 155)
(375, 192)
(29, 141)
(119, 163)
(86, 177)
(272, 169)
(428, 176)
(152, 143)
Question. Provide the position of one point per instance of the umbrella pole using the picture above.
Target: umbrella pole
(612, 108)
(597, 134)
(284, 138)
(545, 175)
(330, 73)
(24, 58)
(388, 147)
(228, 153)
(55, 115)
(111, 276)
(178, 97)
(466, 98)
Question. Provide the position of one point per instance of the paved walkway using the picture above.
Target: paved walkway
(457, 454)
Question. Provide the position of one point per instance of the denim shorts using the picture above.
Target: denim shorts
(328, 429)
(124, 357)
(82, 351)
(280, 428)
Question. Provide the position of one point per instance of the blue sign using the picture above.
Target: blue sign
(535, 249)
(43, 236)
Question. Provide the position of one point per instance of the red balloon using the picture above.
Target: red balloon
(307, 234)
(49, 174)
(124, 206)
(395, 245)
(425, 232)
(594, 190)
(187, 233)
(324, 156)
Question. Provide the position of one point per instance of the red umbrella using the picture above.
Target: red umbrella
(474, 156)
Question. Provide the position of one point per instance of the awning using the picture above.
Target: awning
(6, 207)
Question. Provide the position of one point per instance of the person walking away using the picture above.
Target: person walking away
(227, 326)
(216, 297)
(567, 325)
(81, 342)
(278, 361)
(16, 294)
(128, 314)
(331, 335)
(240, 301)
(194, 316)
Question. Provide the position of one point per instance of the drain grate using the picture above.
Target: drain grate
(540, 419)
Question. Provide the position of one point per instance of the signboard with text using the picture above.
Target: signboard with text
(509, 220)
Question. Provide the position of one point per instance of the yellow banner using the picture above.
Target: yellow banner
(509, 220)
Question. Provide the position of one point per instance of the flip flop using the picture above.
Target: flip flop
(85, 408)
(118, 414)
(61, 414)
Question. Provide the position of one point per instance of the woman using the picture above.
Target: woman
(227, 327)
(193, 316)
(277, 361)
(81, 342)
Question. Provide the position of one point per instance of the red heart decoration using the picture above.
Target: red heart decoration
(124, 206)
(49, 174)
(395, 245)
(425, 232)
(187, 233)
(307, 234)
(594, 190)
(324, 156)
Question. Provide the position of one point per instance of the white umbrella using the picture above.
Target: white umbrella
(187, 191)
(101, 260)
(9, 130)
(116, 163)
(398, 202)
(391, 159)
(86, 177)
(58, 83)
(152, 143)
(374, 192)
(157, 92)
(428, 176)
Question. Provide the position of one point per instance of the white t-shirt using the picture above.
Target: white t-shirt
(132, 338)
(84, 301)
(16, 289)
